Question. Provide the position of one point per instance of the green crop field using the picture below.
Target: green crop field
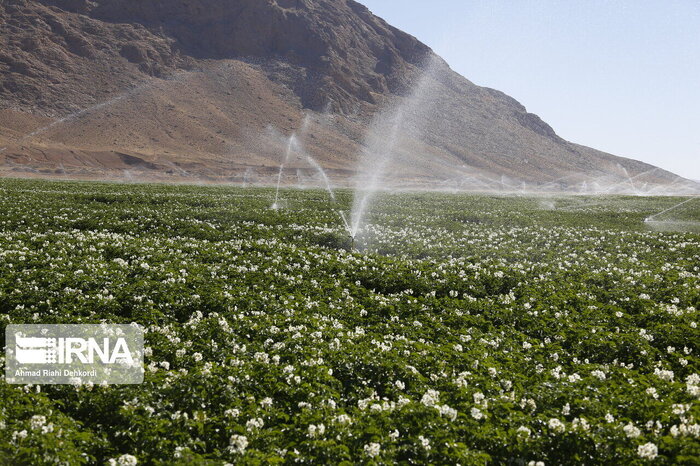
(467, 329)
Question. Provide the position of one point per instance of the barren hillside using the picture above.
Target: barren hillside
(209, 89)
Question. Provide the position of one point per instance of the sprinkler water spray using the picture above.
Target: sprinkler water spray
(651, 219)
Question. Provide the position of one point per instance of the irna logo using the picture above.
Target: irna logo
(37, 350)
(74, 354)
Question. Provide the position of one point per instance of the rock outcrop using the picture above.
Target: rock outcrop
(198, 84)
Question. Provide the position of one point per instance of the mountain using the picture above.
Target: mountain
(210, 89)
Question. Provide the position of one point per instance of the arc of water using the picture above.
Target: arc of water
(359, 208)
(294, 145)
(329, 188)
(470, 181)
(639, 175)
(630, 180)
(383, 137)
(290, 146)
(496, 183)
(246, 176)
(319, 169)
(92, 108)
(554, 182)
(74, 116)
(652, 217)
(659, 189)
(345, 222)
(365, 198)
(293, 142)
(331, 193)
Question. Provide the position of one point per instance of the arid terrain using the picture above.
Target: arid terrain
(208, 90)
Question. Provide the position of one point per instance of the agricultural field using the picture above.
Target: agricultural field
(467, 329)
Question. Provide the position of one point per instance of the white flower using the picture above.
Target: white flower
(580, 423)
(255, 423)
(477, 414)
(598, 374)
(609, 418)
(197, 357)
(448, 412)
(343, 419)
(679, 409)
(238, 443)
(556, 425)
(317, 430)
(632, 431)
(262, 357)
(124, 460)
(394, 435)
(431, 398)
(664, 375)
(372, 449)
(425, 443)
(523, 431)
(400, 385)
(37, 421)
(647, 451)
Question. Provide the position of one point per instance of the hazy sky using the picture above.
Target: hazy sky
(619, 76)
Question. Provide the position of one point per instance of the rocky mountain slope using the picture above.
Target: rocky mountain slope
(210, 89)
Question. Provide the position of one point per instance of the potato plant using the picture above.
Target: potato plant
(465, 329)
